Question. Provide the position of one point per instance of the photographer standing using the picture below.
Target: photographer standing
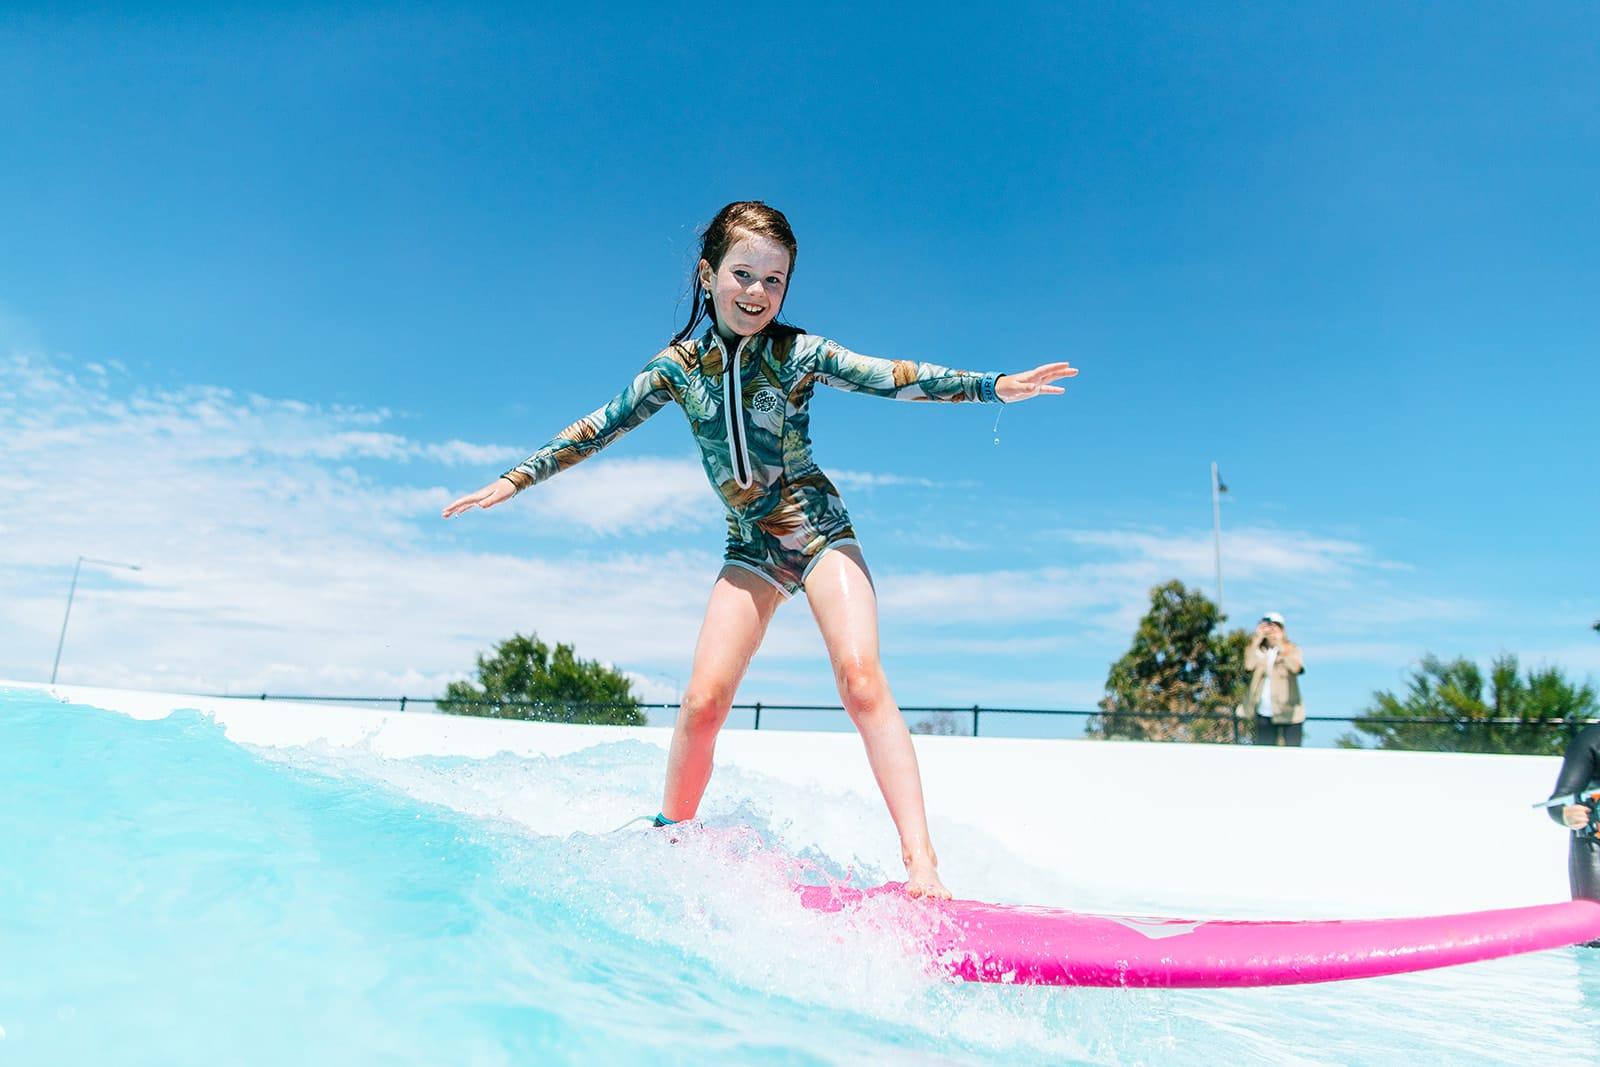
(1275, 665)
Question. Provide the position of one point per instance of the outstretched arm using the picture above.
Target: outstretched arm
(643, 397)
(904, 379)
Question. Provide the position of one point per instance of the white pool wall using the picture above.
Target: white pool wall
(1206, 829)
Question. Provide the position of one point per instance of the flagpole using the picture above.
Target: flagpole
(1216, 531)
(72, 591)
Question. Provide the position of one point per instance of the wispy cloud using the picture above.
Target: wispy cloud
(209, 423)
(1251, 552)
(294, 546)
(1030, 595)
(1382, 608)
(871, 480)
(290, 546)
(270, 562)
(629, 496)
(1577, 659)
(1384, 653)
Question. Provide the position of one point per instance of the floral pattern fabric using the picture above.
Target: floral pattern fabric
(753, 431)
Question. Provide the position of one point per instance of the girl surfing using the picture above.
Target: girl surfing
(745, 385)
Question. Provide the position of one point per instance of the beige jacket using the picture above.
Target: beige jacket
(1287, 706)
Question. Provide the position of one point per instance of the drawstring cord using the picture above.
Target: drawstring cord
(655, 820)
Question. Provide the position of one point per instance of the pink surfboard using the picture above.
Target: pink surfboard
(979, 942)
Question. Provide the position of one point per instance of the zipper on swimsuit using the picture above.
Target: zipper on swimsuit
(733, 413)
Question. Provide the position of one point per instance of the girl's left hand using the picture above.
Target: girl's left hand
(1036, 382)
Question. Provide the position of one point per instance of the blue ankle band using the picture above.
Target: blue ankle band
(662, 820)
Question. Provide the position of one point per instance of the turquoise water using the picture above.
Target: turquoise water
(168, 896)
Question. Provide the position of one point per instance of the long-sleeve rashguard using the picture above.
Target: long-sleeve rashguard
(750, 416)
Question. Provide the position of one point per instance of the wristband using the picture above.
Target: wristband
(988, 389)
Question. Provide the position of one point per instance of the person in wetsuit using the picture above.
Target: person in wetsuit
(745, 386)
(1580, 770)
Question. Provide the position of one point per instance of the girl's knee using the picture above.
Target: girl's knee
(704, 711)
(863, 688)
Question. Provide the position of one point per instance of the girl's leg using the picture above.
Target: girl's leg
(742, 604)
(846, 607)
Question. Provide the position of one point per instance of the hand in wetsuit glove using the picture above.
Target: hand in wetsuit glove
(1580, 770)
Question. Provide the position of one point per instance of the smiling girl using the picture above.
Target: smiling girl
(745, 385)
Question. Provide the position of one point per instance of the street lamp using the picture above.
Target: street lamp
(1217, 489)
(56, 666)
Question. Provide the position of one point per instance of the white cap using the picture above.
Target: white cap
(1272, 616)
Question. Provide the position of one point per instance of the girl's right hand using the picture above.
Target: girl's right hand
(1014, 388)
(495, 492)
(1575, 816)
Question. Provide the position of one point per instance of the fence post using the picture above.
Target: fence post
(974, 720)
(758, 715)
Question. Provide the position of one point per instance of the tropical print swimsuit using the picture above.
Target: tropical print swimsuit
(753, 431)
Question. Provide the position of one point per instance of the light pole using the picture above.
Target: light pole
(1217, 489)
(56, 666)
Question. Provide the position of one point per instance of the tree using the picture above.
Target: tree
(941, 723)
(1452, 694)
(1180, 664)
(525, 679)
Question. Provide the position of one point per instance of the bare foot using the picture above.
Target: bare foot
(922, 879)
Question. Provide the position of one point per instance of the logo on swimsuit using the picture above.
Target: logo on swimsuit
(765, 401)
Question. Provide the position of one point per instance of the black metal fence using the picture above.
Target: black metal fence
(973, 720)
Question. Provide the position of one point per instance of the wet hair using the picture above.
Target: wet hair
(742, 218)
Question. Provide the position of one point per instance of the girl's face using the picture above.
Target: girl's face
(748, 287)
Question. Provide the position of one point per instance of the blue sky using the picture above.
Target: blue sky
(275, 285)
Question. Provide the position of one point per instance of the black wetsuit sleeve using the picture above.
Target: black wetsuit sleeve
(1581, 767)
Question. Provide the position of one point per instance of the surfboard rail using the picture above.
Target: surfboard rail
(1014, 944)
